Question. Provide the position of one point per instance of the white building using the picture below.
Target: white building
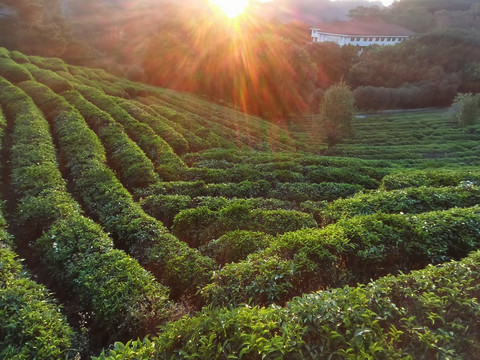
(360, 33)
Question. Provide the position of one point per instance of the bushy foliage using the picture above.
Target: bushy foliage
(427, 313)
(134, 168)
(235, 246)
(352, 250)
(31, 323)
(434, 178)
(12, 71)
(200, 225)
(466, 109)
(49, 78)
(167, 163)
(409, 200)
(172, 261)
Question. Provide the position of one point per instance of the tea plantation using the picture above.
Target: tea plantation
(154, 224)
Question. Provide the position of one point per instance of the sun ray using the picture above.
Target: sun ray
(231, 8)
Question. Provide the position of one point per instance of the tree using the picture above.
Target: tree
(466, 108)
(337, 111)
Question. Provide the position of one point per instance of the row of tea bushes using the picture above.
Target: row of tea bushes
(166, 207)
(172, 261)
(294, 192)
(409, 201)
(31, 324)
(350, 251)
(141, 113)
(79, 256)
(434, 178)
(429, 313)
(200, 225)
(127, 159)
(167, 163)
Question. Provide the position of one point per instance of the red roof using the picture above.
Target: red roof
(364, 28)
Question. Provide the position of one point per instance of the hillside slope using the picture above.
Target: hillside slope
(136, 205)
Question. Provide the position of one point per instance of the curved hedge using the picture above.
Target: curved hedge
(31, 324)
(200, 225)
(12, 71)
(157, 123)
(167, 163)
(50, 78)
(172, 261)
(408, 200)
(429, 313)
(350, 251)
(130, 162)
(416, 178)
(73, 248)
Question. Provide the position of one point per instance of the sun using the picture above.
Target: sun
(231, 8)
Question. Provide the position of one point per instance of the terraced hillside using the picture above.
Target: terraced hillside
(136, 207)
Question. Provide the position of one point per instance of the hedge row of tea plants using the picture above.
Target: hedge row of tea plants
(75, 250)
(429, 313)
(294, 192)
(270, 135)
(31, 324)
(166, 207)
(50, 78)
(167, 163)
(350, 251)
(140, 112)
(172, 261)
(409, 200)
(200, 225)
(435, 178)
(129, 161)
(12, 71)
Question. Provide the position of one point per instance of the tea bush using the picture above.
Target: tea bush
(31, 324)
(429, 313)
(166, 132)
(12, 71)
(172, 261)
(79, 256)
(130, 162)
(167, 163)
(408, 200)
(200, 225)
(416, 178)
(353, 250)
(235, 246)
(49, 78)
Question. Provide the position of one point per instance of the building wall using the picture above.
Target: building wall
(359, 40)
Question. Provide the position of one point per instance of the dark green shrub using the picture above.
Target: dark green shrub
(165, 207)
(134, 168)
(416, 178)
(47, 77)
(429, 313)
(167, 164)
(157, 123)
(52, 64)
(235, 246)
(125, 299)
(300, 192)
(31, 324)
(172, 261)
(353, 250)
(12, 71)
(409, 200)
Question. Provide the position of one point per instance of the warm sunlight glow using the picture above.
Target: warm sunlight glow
(231, 8)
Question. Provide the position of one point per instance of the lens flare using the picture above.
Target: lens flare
(231, 8)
